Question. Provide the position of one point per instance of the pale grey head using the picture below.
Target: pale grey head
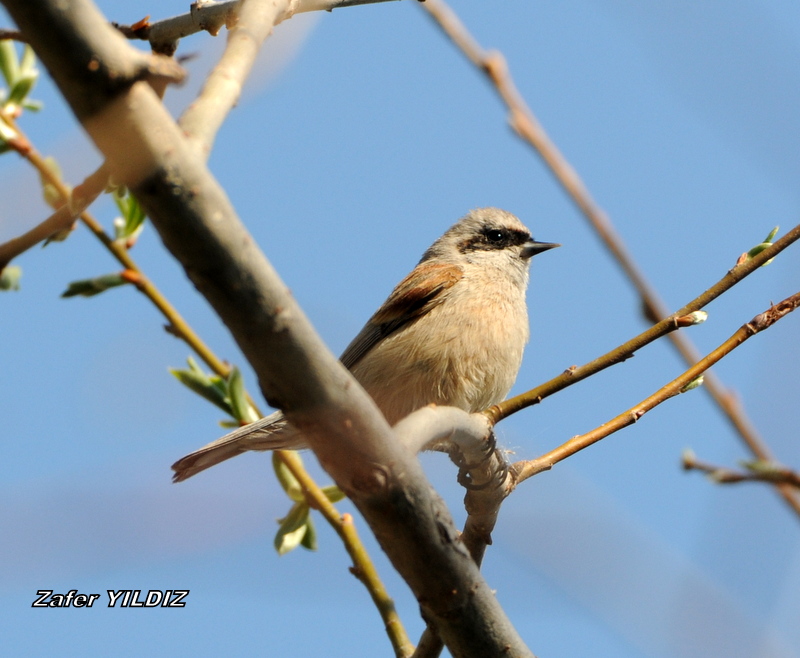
(488, 236)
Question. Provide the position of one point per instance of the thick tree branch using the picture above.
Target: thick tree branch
(362, 564)
(145, 149)
(483, 471)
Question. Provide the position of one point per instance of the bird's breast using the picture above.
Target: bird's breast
(465, 353)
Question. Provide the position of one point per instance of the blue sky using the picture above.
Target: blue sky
(362, 137)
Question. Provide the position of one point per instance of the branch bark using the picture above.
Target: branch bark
(669, 324)
(526, 469)
(524, 123)
(165, 34)
(97, 72)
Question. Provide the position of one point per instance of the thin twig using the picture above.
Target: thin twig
(362, 568)
(528, 468)
(180, 328)
(669, 324)
(767, 472)
(525, 124)
(165, 34)
(223, 86)
(80, 198)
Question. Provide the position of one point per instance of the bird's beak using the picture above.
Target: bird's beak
(531, 248)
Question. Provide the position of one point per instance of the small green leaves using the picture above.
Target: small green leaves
(333, 493)
(20, 76)
(227, 394)
(759, 248)
(296, 529)
(8, 60)
(309, 541)
(10, 277)
(211, 387)
(695, 383)
(767, 470)
(91, 287)
(287, 479)
(237, 397)
(130, 224)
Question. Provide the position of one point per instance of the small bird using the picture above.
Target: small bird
(451, 333)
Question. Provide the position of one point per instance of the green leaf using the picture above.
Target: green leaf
(333, 493)
(287, 479)
(10, 277)
(9, 64)
(293, 528)
(695, 383)
(237, 397)
(91, 287)
(761, 467)
(309, 540)
(20, 76)
(7, 133)
(32, 106)
(194, 366)
(21, 88)
(132, 220)
(204, 385)
(27, 64)
(763, 245)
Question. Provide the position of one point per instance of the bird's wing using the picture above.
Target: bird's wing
(413, 297)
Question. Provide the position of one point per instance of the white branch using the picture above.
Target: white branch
(223, 87)
(430, 425)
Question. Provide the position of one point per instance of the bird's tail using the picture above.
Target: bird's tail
(268, 433)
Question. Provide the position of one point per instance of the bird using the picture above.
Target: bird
(451, 333)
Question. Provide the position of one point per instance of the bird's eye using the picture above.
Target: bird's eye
(495, 235)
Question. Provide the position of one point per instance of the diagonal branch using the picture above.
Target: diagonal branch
(165, 34)
(524, 123)
(362, 568)
(526, 469)
(681, 318)
(362, 564)
(72, 207)
(247, 31)
(221, 91)
(146, 150)
(768, 472)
